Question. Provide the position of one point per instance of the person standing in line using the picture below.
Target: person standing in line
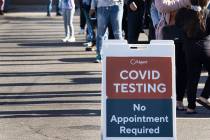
(1, 7)
(196, 30)
(108, 12)
(168, 9)
(135, 14)
(50, 5)
(68, 8)
(155, 16)
(82, 18)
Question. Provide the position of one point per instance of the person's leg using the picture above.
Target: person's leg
(49, 7)
(6, 5)
(206, 91)
(90, 32)
(193, 75)
(181, 72)
(110, 32)
(102, 22)
(66, 24)
(133, 27)
(58, 7)
(1, 7)
(71, 26)
(116, 16)
(82, 18)
(125, 21)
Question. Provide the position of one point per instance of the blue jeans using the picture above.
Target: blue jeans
(90, 26)
(68, 15)
(50, 4)
(108, 15)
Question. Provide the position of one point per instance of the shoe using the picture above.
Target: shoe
(204, 102)
(82, 31)
(65, 39)
(1, 13)
(71, 39)
(180, 106)
(58, 14)
(90, 49)
(98, 59)
(191, 111)
(48, 14)
(88, 44)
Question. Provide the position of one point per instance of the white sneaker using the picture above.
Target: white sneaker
(65, 39)
(71, 39)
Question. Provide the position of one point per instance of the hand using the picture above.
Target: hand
(91, 12)
(133, 6)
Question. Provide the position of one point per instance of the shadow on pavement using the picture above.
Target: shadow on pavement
(74, 81)
(49, 102)
(52, 44)
(43, 95)
(50, 113)
(201, 113)
(92, 80)
(70, 60)
(30, 74)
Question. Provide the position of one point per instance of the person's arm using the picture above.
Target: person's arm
(165, 6)
(155, 15)
(132, 5)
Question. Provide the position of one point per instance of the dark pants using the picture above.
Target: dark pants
(125, 21)
(82, 16)
(196, 57)
(181, 71)
(134, 25)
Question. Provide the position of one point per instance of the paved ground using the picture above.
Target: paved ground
(51, 91)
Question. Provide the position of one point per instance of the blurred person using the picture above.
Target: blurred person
(90, 22)
(82, 17)
(125, 19)
(155, 16)
(1, 7)
(135, 15)
(148, 23)
(50, 5)
(108, 12)
(168, 9)
(68, 8)
(196, 28)
(7, 4)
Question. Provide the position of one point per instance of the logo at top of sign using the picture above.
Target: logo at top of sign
(140, 77)
(137, 62)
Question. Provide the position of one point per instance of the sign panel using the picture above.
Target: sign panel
(138, 77)
(139, 118)
(138, 91)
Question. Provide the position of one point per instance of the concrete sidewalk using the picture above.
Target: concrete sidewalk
(51, 91)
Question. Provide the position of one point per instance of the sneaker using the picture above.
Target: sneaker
(98, 59)
(82, 31)
(88, 44)
(65, 39)
(58, 14)
(71, 39)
